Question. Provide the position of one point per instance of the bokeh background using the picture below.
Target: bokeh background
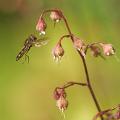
(26, 90)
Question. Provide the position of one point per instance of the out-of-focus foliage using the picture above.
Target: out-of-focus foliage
(26, 89)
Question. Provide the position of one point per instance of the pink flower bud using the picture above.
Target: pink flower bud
(56, 16)
(109, 116)
(79, 45)
(95, 50)
(117, 115)
(59, 92)
(62, 103)
(108, 49)
(58, 52)
(41, 26)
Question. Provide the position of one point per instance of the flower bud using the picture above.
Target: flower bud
(56, 16)
(58, 52)
(95, 50)
(117, 115)
(109, 116)
(79, 45)
(108, 49)
(62, 103)
(41, 26)
(59, 92)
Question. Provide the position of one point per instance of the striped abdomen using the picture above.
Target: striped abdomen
(24, 50)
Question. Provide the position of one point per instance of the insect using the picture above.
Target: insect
(30, 42)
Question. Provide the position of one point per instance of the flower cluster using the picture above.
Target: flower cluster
(60, 97)
(95, 48)
(109, 114)
(41, 26)
(79, 45)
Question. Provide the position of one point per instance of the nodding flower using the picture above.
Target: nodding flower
(59, 92)
(108, 49)
(56, 15)
(95, 50)
(41, 26)
(58, 52)
(79, 45)
(117, 115)
(60, 97)
(62, 103)
(109, 116)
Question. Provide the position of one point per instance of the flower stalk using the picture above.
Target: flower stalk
(86, 71)
(60, 95)
(69, 84)
(83, 59)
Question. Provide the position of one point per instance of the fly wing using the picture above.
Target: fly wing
(41, 42)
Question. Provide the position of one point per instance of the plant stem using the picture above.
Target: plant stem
(90, 87)
(64, 36)
(86, 70)
(73, 83)
(83, 60)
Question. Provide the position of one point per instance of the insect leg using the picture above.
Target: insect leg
(27, 58)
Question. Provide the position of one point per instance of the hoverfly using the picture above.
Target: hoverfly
(30, 42)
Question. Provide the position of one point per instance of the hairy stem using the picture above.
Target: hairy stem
(86, 70)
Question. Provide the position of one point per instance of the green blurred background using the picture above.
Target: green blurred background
(26, 90)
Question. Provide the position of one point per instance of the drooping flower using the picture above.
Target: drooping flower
(62, 103)
(79, 45)
(56, 16)
(117, 115)
(95, 50)
(41, 26)
(60, 97)
(109, 116)
(58, 52)
(59, 92)
(108, 49)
